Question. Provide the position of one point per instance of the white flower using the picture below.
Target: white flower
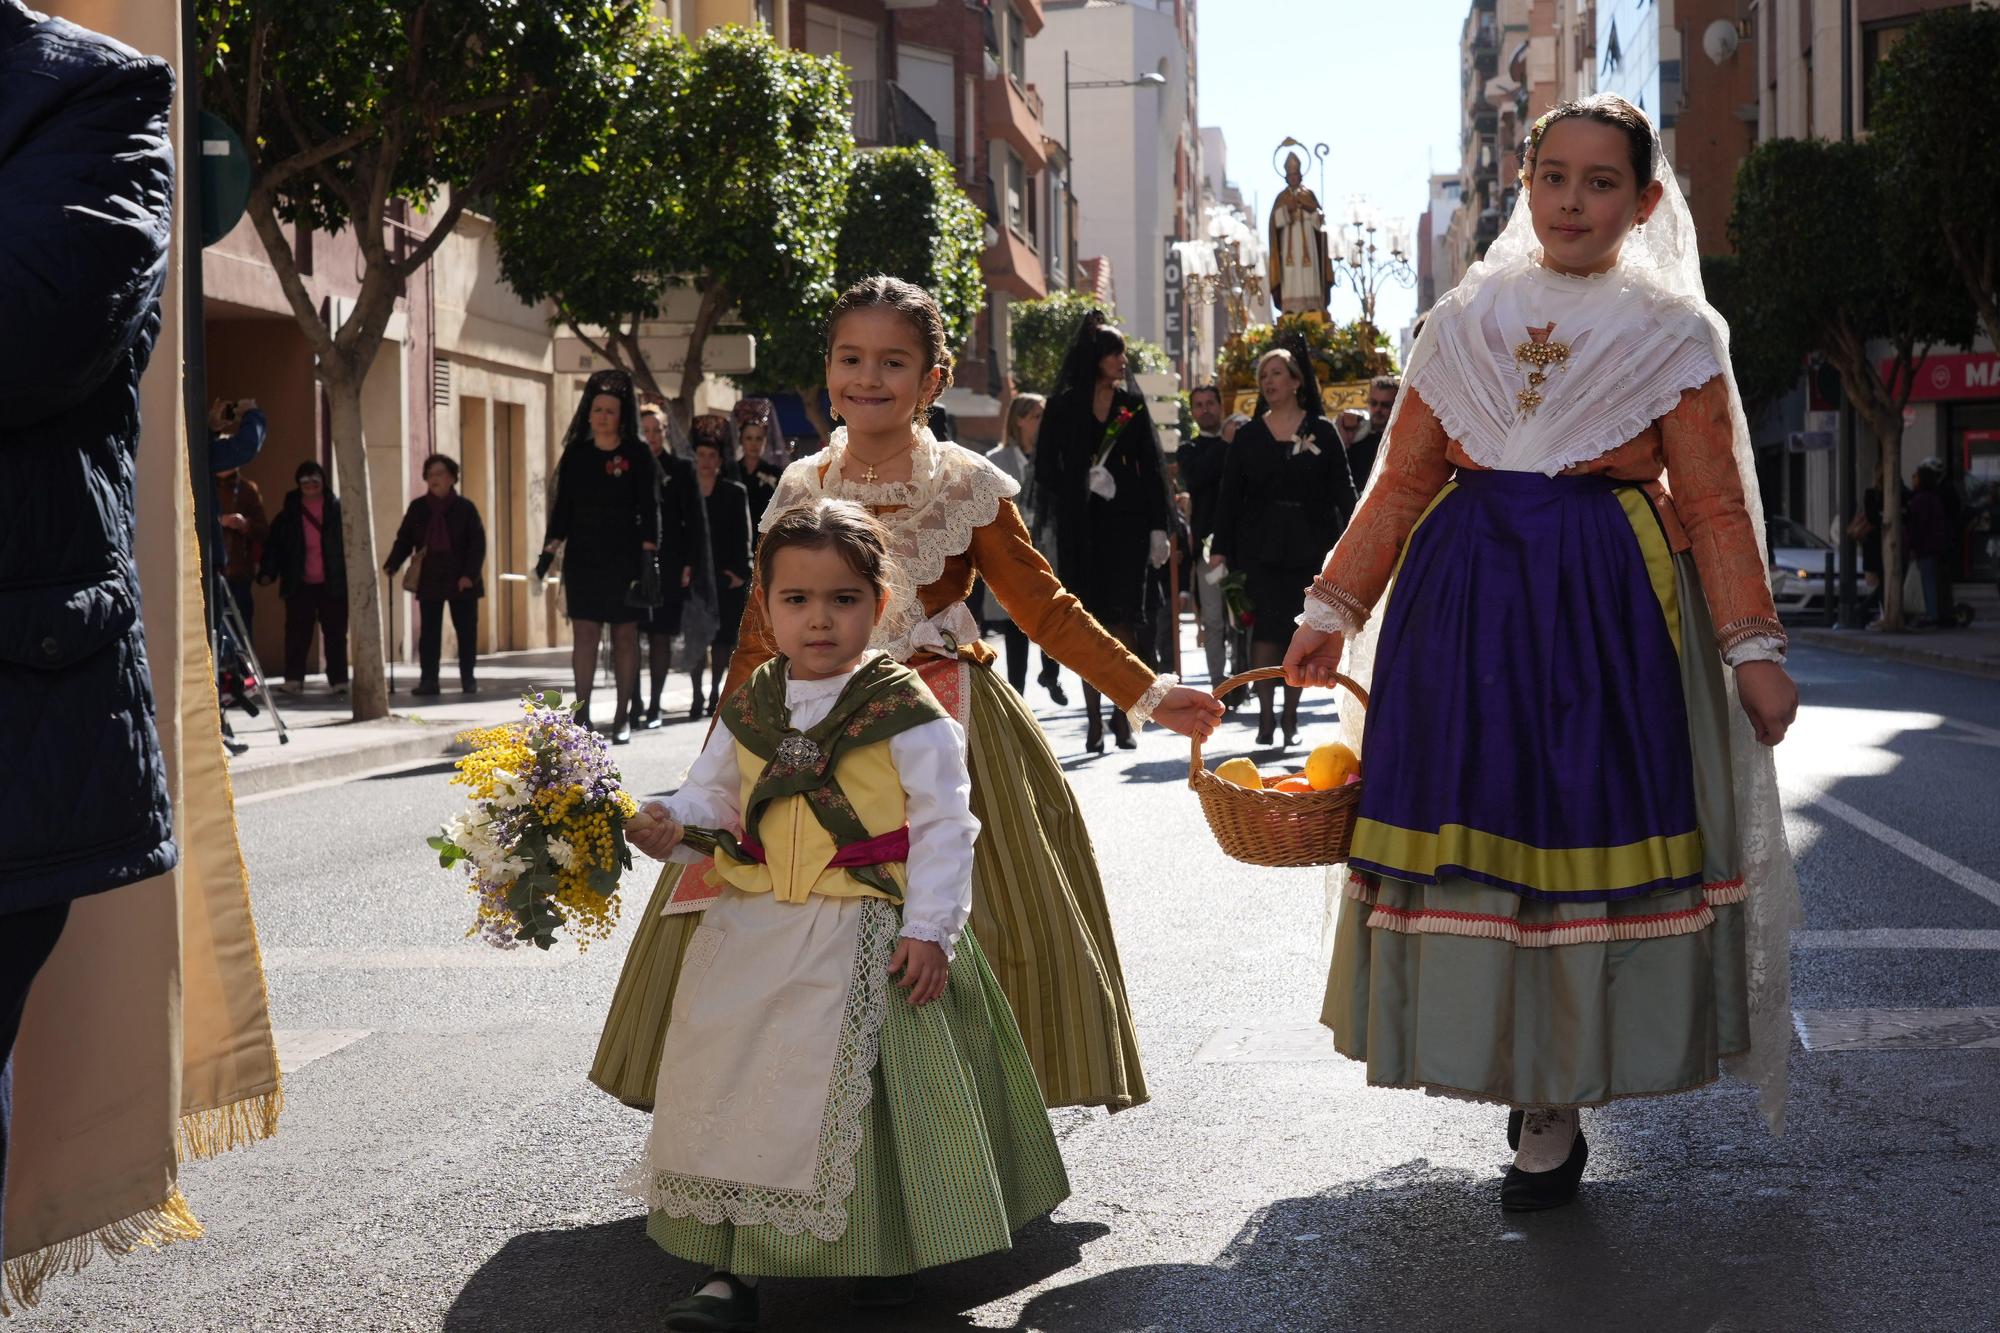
(563, 852)
(509, 789)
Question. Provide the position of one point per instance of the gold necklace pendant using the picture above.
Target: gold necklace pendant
(1539, 355)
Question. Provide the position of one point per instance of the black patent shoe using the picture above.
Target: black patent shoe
(1052, 683)
(694, 709)
(1093, 737)
(653, 718)
(1538, 1191)
(734, 1313)
(883, 1293)
(621, 732)
(1121, 731)
(425, 689)
(1514, 1130)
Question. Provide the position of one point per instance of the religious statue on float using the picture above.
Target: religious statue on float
(1301, 269)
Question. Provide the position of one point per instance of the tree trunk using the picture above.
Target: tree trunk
(357, 529)
(1891, 442)
(714, 300)
(809, 396)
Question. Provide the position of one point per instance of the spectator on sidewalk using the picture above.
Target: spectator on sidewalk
(305, 556)
(86, 213)
(442, 532)
(1927, 519)
(239, 504)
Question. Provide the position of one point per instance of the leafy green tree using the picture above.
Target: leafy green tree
(1043, 331)
(347, 116)
(1832, 258)
(905, 217)
(1937, 120)
(725, 170)
(1766, 367)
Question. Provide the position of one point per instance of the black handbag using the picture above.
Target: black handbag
(645, 590)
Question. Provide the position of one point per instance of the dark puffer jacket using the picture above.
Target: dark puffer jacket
(86, 194)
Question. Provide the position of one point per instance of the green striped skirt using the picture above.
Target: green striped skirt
(1037, 904)
(956, 1152)
(1463, 988)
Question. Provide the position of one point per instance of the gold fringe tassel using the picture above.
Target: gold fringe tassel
(220, 1129)
(163, 1224)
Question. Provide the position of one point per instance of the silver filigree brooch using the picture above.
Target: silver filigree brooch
(797, 750)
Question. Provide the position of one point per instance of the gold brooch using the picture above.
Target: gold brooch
(1538, 354)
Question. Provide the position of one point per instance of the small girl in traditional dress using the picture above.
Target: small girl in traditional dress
(811, 1121)
(1569, 876)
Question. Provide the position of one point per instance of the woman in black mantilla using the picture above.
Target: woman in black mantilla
(1099, 469)
(1286, 497)
(605, 518)
(730, 540)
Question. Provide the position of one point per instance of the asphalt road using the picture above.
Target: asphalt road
(442, 1162)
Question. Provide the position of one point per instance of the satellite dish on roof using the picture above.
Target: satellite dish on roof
(1720, 40)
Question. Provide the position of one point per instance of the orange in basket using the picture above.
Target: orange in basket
(1277, 826)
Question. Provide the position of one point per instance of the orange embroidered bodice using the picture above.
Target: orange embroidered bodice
(1686, 459)
(1021, 580)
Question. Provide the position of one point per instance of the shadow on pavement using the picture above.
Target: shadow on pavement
(611, 1277)
(1423, 1249)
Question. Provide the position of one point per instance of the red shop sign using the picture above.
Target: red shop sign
(1961, 375)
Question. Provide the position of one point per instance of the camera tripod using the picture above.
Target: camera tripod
(255, 685)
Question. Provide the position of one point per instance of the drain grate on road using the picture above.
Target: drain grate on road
(1898, 1029)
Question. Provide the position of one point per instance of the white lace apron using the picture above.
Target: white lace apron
(767, 1069)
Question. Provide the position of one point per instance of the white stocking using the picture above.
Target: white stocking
(1546, 1135)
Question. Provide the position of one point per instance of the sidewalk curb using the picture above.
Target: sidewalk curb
(1862, 643)
(433, 742)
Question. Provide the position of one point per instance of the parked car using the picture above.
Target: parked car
(1798, 568)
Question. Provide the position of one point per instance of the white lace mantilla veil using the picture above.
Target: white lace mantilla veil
(1662, 255)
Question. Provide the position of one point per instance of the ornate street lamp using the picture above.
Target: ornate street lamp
(1369, 252)
(1228, 265)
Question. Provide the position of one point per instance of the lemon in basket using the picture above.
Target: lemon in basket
(1241, 772)
(1330, 766)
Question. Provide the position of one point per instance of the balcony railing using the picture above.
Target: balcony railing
(886, 116)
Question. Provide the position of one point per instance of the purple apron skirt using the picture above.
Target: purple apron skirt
(1528, 728)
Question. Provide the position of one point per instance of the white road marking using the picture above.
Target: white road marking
(1898, 938)
(1898, 1029)
(1267, 1043)
(471, 954)
(1964, 876)
(299, 1047)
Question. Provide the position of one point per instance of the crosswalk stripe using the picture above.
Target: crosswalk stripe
(299, 1047)
(1962, 875)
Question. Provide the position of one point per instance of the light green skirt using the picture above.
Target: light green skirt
(1037, 904)
(956, 1152)
(1462, 988)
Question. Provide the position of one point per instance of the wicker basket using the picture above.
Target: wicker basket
(1277, 828)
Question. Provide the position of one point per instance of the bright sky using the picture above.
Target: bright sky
(1374, 80)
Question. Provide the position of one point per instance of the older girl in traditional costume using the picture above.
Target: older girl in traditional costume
(1569, 880)
(811, 1121)
(1037, 902)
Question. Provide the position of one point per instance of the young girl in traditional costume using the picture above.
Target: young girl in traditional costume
(1569, 880)
(1037, 904)
(811, 1121)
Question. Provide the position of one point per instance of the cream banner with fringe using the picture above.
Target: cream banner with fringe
(147, 1036)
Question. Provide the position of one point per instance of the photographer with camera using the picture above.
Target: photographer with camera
(236, 432)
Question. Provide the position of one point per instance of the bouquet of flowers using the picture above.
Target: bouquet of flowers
(544, 839)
